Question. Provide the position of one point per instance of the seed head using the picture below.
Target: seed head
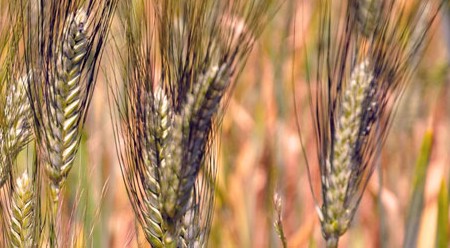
(362, 71)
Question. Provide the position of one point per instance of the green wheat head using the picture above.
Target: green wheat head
(348, 122)
(63, 42)
(63, 122)
(178, 71)
(363, 69)
(70, 36)
(15, 129)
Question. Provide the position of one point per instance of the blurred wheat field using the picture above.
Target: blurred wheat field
(260, 154)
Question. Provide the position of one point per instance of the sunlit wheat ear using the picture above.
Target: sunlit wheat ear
(179, 173)
(65, 111)
(15, 128)
(360, 78)
(156, 153)
(336, 215)
(22, 213)
(192, 123)
(177, 73)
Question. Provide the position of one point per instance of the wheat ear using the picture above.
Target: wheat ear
(361, 75)
(64, 124)
(192, 127)
(186, 55)
(15, 128)
(156, 153)
(22, 213)
(169, 182)
(336, 218)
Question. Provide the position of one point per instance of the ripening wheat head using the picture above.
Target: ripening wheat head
(15, 130)
(364, 63)
(63, 42)
(22, 213)
(178, 69)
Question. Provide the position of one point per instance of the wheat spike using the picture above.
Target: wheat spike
(63, 44)
(22, 213)
(189, 51)
(156, 154)
(336, 217)
(361, 75)
(196, 116)
(64, 123)
(15, 128)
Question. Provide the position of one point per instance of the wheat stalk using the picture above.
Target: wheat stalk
(23, 213)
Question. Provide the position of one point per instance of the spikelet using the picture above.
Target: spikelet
(65, 111)
(22, 213)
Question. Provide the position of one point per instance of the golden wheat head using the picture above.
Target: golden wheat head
(23, 213)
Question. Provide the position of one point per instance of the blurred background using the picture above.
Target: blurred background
(260, 154)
